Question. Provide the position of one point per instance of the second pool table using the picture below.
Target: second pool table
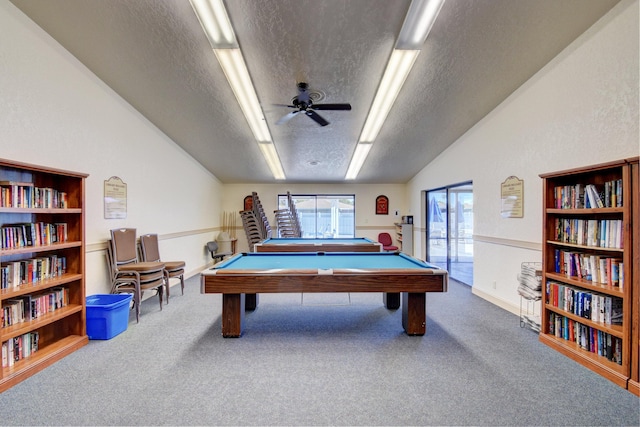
(358, 244)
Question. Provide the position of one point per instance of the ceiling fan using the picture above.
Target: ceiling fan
(304, 104)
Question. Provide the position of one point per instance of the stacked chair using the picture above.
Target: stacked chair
(128, 274)
(288, 220)
(150, 252)
(255, 222)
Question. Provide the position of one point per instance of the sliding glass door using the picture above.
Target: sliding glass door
(450, 230)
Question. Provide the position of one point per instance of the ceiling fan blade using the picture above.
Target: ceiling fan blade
(344, 107)
(284, 105)
(287, 117)
(316, 117)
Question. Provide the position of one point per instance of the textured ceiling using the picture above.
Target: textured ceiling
(156, 56)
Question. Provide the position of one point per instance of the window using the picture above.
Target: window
(324, 215)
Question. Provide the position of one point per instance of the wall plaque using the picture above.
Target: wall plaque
(115, 198)
(512, 197)
(382, 205)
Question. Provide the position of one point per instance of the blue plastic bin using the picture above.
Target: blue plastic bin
(107, 315)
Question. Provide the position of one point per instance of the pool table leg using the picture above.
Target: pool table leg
(251, 302)
(391, 300)
(414, 312)
(232, 315)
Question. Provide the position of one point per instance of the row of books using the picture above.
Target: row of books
(25, 195)
(598, 269)
(32, 234)
(600, 233)
(590, 305)
(30, 307)
(590, 339)
(16, 273)
(19, 348)
(588, 196)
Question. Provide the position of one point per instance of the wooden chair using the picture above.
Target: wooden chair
(387, 243)
(150, 252)
(128, 274)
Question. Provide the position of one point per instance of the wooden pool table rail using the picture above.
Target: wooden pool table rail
(411, 283)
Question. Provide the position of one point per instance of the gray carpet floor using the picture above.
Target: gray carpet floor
(319, 359)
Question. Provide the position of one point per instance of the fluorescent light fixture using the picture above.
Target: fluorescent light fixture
(271, 156)
(238, 76)
(217, 27)
(394, 76)
(418, 22)
(215, 23)
(359, 156)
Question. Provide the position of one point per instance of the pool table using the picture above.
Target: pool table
(359, 244)
(278, 272)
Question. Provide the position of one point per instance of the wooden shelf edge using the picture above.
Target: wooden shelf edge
(610, 370)
(41, 248)
(41, 285)
(584, 247)
(47, 318)
(615, 330)
(40, 360)
(603, 288)
(585, 211)
(6, 209)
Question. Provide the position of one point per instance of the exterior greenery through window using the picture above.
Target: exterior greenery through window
(324, 215)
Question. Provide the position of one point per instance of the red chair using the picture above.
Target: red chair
(387, 244)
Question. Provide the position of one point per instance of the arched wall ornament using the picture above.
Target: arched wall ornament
(382, 205)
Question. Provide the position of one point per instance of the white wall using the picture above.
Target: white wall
(581, 109)
(368, 224)
(55, 112)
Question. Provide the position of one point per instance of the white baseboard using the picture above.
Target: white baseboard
(497, 301)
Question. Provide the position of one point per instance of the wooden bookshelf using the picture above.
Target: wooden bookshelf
(634, 381)
(581, 256)
(58, 255)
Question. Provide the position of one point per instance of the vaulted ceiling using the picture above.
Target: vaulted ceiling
(155, 55)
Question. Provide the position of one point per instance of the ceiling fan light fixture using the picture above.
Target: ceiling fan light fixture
(271, 156)
(215, 23)
(359, 156)
(418, 22)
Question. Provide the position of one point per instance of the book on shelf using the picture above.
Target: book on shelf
(594, 306)
(32, 307)
(595, 268)
(15, 194)
(586, 337)
(600, 233)
(15, 236)
(18, 348)
(589, 196)
(16, 273)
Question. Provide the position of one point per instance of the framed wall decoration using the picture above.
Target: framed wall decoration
(512, 197)
(382, 205)
(115, 198)
(248, 203)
